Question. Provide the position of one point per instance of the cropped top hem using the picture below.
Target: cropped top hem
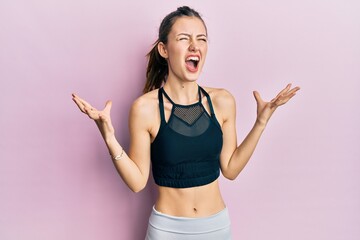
(187, 183)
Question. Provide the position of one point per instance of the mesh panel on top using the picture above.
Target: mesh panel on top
(189, 121)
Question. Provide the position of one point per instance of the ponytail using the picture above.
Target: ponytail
(157, 69)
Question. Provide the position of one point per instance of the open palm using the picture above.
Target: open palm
(102, 118)
(266, 109)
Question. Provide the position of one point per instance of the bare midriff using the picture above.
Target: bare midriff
(194, 202)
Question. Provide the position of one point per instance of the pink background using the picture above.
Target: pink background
(56, 178)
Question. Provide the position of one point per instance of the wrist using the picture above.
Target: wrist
(118, 156)
(115, 149)
(261, 124)
(110, 139)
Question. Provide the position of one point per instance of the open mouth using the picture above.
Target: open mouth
(192, 63)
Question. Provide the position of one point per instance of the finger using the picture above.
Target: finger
(290, 96)
(86, 108)
(79, 104)
(82, 101)
(286, 89)
(91, 110)
(282, 101)
(257, 96)
(283, 94)
(92, 113)
(291, 92)
(108, 106)
(294, 90)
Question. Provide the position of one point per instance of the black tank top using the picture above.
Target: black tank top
(186, 150)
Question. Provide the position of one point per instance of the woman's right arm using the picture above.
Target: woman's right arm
(134, 168)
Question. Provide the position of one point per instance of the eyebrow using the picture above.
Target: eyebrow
(189, 35)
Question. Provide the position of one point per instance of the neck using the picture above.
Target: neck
(182, 92)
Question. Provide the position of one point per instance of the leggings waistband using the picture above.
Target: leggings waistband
(186, 225)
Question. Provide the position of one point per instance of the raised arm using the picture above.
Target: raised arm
(234, 158)
(133, 167)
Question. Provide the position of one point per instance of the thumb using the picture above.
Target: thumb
(108, 106)
(257, 96)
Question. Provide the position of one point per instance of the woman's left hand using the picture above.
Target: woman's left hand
(266, 109)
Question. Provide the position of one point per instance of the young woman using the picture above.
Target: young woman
(186, 132)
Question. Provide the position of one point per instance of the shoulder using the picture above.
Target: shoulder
(146, 101)
(143, 107)
(220, 97)
(223, 102)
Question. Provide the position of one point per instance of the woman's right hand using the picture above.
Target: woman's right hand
(101, 118)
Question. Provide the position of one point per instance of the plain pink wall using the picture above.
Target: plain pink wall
(56, 178)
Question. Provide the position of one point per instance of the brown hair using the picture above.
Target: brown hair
(157, 68)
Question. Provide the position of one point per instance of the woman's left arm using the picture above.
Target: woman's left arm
(234, 158)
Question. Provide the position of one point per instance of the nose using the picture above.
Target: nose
(193, 47)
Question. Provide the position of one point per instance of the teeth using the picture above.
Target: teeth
(193, 58)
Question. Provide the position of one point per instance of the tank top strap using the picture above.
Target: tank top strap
(161, 104)
(209, 101)
(199, 92)
(167, 96)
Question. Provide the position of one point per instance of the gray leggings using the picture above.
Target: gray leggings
(165, 227)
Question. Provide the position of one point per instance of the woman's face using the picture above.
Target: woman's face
(186, 49)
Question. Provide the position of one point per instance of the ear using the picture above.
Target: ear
(162, 50)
